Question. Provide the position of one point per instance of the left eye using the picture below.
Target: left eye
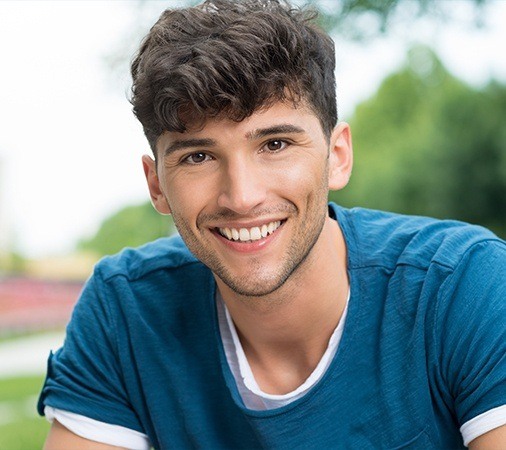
(275, 145)
(197, 158)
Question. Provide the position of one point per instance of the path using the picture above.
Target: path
(28, 356)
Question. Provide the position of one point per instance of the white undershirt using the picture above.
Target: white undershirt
(250, 392)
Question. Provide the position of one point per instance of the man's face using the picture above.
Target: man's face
(248, 198)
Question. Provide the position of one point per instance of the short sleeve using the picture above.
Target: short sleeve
(84, 376)
(470, 331)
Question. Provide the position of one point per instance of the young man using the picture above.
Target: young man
(275, 320)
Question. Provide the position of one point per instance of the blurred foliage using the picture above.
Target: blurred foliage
(21, 428)
(12, 263)
(130, 227)
(361, 19)
(428, 144)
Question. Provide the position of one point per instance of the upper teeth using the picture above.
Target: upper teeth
(250, 234)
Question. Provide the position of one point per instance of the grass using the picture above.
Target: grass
(13, 337)
(20, 426)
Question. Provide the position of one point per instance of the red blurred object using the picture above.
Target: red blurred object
(28, 305)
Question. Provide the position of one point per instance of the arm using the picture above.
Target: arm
(472, 339)
(84, 378)
(60, 438)
(493, 440)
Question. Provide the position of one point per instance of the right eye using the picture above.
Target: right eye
(197, 158)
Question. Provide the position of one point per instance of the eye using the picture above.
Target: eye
(197, 158)
(276, 145)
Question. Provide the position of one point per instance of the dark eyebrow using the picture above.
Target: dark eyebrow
(276, 129)
(188, 143)
(255, 134)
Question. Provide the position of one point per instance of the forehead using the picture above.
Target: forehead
(281, 116)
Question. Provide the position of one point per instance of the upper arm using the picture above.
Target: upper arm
(60, 438)
(85, 376)
(471, 333)
(493, 440)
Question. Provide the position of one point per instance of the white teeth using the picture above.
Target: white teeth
(251, 234)
(255, 234)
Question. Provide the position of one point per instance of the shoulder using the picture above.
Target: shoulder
(159, 276)
(134, 264)
(476, 286)
(378, 238)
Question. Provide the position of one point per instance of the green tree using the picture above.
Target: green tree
(129, 227)
(426, 143)
(364, 19)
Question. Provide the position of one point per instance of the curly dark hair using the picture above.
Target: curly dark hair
(230, 58)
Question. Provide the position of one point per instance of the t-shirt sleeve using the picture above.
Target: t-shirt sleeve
(471, 331)
(99, 431)
(84, 376)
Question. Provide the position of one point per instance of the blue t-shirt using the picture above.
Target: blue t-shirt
(422, 352)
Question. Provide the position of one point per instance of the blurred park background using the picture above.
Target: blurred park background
(422, 83)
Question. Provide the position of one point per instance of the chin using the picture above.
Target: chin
(259, 288)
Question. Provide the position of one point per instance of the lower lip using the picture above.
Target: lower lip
(249, 246)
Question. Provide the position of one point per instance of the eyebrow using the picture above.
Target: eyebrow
(259, 133)
(188, 143)
(275, 129)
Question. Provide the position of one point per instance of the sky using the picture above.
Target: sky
(70, 147)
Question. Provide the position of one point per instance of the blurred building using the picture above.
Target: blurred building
(30, 305)
(41, 296)
(4, 226)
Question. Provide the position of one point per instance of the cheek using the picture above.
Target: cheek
(187, 196)
(301, 176)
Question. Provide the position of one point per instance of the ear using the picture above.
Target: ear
(340, 156)
(157, 196)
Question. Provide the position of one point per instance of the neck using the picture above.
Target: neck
(285, 333)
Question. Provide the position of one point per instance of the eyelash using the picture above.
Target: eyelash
(187, 159)
(281, 141)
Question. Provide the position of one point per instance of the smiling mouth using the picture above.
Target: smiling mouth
(250, 234)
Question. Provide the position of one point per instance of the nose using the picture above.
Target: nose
(243, 186)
